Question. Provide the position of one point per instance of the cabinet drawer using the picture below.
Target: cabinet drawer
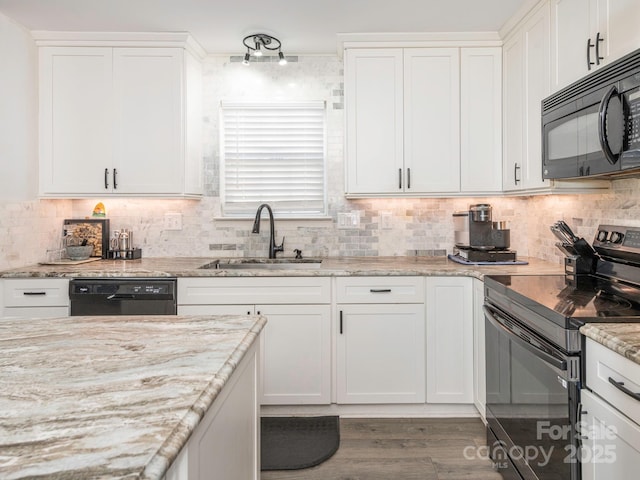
(271, 290)
(380, 290)
(603, 364)
(50, 292)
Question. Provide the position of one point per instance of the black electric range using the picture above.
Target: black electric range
(554, 306)
(534, 367)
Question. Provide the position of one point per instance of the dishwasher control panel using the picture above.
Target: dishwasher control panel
(139, 288)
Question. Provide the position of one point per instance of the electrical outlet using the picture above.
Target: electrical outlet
(173, 221)
(349, 220)
(385, 220)
(355, 219)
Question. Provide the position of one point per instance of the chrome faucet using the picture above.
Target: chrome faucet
(273, 248)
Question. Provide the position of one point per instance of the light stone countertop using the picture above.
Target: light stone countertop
(622, 338)
(332, 266)
(110, 397)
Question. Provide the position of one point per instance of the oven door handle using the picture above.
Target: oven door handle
(541, 354)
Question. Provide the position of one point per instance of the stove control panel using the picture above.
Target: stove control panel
(616, 240)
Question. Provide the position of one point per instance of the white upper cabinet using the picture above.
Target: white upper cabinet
(480, 120)
(147, 119)
(120, 121)
(76, 126)
(404, 121)
(590, 33)
(526, 83)
(431, 120)
(374, 105)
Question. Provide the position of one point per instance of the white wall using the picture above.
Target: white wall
(18, 112)
(28, 226)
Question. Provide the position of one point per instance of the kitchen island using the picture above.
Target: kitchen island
(120, 397)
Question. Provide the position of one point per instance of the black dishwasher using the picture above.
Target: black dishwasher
(123, 296)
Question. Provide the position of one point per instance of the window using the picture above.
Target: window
(275, 154)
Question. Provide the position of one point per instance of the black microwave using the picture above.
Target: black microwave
(592, 127)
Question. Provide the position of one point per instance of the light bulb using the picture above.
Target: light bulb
(258, 52)
(282, 61)
(246, 59)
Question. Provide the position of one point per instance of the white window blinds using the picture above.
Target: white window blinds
(275, 154)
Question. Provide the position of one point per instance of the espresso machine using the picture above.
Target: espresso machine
(479, 239)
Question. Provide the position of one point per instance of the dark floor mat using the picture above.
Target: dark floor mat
(292, 443)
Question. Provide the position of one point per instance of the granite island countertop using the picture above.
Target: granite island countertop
(158, 267)
(622, 338)
(110, 397)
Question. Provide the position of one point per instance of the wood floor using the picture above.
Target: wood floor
(402, 449)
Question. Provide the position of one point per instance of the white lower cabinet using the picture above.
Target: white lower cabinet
(296, 354)
(380, 353)
(611, 447)
(295, 343)
(380, 340)
(225, 444)
(479, 360)
(610, 415)
(449, 340)
(35, 297)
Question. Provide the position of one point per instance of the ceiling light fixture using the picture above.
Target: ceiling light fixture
(258, 42)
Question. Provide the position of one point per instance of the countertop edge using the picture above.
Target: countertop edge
(184, 267)
(622, 338)
(162, 460)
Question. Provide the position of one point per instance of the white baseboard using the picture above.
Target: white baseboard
(375, 411)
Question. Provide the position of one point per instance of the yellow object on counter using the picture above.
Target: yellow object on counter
(99, 210)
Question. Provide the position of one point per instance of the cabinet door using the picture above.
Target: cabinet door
(572, 22)
(479, 360)
(611, 442)
(374, 108)
(481, 120)
(149, 154)
(513, 95)
(618, 24)
(526, 83)
(536, 88)
(76, 133)
(449, 340)
(431, 120)
(380, 353)
(296, 348)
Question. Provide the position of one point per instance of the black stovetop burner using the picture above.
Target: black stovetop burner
(609, 292)
(571, 304)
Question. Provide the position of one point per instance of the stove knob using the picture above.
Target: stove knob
(602, 235)
(616, 237)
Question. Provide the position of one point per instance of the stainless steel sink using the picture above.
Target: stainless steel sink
(264, 264)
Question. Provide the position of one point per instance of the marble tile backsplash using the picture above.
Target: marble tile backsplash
(28, 229)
